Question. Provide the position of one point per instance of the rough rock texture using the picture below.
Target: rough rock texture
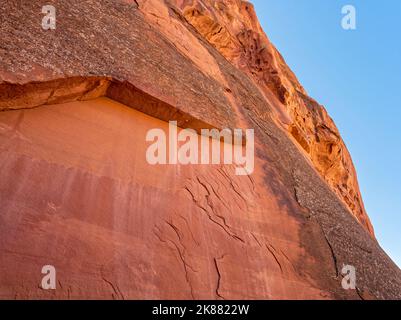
(76, 191)
(233, 28)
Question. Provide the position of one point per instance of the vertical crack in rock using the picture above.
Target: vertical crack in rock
(218, 196)
(234, 188)
(181, 253)
(275, 253)
(358, 292)
(218, 286)
(115, 288)
(213, 210)
(189, 229)
(117, 293)
(271, 249)
(333, 255)
(289, 261)
(298, 198)
(256, 239)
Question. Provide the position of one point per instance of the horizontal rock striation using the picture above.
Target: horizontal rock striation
(77, 193)
(233, 28)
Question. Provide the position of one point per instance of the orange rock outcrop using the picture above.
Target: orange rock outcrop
(233, 28)
(76, 191)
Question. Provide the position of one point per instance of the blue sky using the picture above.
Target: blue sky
(356, 75)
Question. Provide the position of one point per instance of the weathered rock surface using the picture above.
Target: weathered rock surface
(233, 28)
(76, 191)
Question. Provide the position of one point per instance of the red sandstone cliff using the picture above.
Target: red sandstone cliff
(77, 193)
(233, 28)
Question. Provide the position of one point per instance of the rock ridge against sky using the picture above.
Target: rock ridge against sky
(77, 193)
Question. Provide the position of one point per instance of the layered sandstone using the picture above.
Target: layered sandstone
(233, 28)
(76, 190)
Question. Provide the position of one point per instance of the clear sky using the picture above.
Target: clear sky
(356, 75)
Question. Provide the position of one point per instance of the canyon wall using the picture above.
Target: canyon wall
(232, 27)
(76, 191)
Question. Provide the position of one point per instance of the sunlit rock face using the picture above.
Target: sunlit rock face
(232, 27)
(77, 192)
